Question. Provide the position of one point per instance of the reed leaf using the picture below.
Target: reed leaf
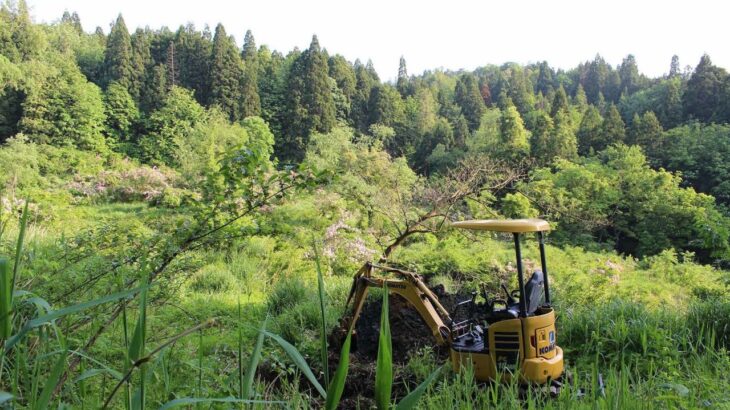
(247, 390)
(409, 402)
(384, 366)
(51, 382)
(323, 330)
(335, 389)
(57, 314)
(298, 360)
(187, 401)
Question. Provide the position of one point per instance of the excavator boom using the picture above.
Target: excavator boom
(409, 286)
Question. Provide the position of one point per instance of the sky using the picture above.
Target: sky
(454, 34)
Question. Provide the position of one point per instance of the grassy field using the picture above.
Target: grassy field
(656, 330)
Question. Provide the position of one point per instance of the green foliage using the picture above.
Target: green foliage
(513, 135)
(62, 108)
(213, 279)
(169, 126)
(226, 73)
(468, 97)
(121, 113)
(707, 89)
(310, 105)
(251, 103)
(118, 56)
(582, 197)
(589, 132)
(700, 153)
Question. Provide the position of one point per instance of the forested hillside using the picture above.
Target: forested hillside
(174, 178)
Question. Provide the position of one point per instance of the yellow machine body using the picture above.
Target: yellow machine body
(524, 346)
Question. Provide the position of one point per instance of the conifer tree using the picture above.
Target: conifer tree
(469, 99)
(514, 136)
(141, 63)
(613, 129)
(670, 105)
(118, 56)
(704, 98)
(634, 130)
(545, 79)
(560, 102)
(226, 72)
(580, 98)
(629, 74)
(341, 71)
(645, 131)
(386, 106)
(22, 40)
(403, 81)
(73, 20)
(310, 105)
(596, 79)
(540, 137)
(589, 130)
(251, 102)
(674, 69)
(563, 142)
(192, 57)
(364, 83)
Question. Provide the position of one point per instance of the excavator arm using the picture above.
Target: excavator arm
(408, 285)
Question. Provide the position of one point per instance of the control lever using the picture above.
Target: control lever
(467, 301)
(510, 299)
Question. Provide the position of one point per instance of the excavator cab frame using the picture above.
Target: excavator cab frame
(521, 338)
(517, 340)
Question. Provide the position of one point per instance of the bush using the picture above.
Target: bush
(215, 278)
(623, 333)
(711, 318)
(286, 294)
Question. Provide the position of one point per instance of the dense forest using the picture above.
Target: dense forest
(211, 175)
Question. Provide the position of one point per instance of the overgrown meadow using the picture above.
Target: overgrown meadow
(181, 218)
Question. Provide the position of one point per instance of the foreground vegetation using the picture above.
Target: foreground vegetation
(187, 236)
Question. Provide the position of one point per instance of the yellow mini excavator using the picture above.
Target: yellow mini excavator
(513, 335)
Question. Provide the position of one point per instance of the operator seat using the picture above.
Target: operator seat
(533, 297)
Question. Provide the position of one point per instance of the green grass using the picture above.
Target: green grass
(657, 329)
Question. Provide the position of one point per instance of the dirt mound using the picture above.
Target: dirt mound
(409, 333)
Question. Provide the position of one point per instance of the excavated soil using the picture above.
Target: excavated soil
(409, 334)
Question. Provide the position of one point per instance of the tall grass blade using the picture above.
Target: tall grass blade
(253, 363)
(6, 300)
(57, 314)
(19, 246)
(297, 358)
(187, 401)
(51, 382)
(96, 371)
(137, 346)
(240, 351)
(409, 402)
(323, 332)
(334, 391)
(384, 367)
(200, 364)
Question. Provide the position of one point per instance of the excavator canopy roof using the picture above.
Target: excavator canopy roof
(505, 225)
